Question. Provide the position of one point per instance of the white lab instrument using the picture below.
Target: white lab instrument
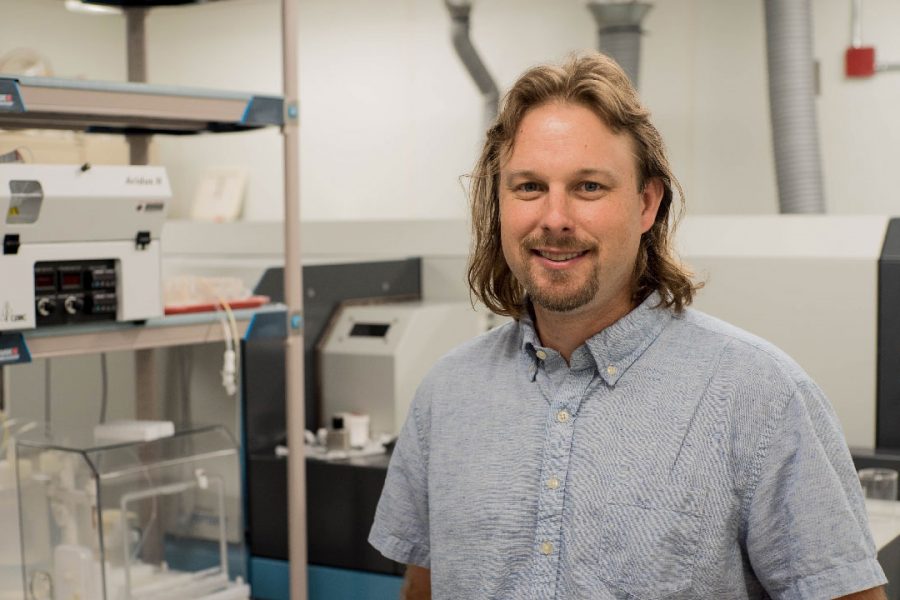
(375, 355)
(120, 518)
(807, 283)
(80, 243)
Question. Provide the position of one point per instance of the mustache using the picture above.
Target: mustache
(561, 242)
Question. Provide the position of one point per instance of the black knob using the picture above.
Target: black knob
(46, 306)
(73, 304)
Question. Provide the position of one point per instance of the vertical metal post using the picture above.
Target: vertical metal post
(293, 294)
(138, 149)
(135, 39)
(146, 393)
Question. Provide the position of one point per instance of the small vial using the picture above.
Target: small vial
(338, 436)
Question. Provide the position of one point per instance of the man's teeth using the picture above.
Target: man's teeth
(558, 257)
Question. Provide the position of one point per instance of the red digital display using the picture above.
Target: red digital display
(71, 279)
(44, 280)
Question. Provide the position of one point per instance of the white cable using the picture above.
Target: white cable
(228, 359)
(235, 343)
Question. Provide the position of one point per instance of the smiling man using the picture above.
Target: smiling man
(611, 443)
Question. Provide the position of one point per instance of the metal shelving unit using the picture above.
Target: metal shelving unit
(139, 110)
(165, 332)
(48, 103)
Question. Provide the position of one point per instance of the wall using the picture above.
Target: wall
(390, 119)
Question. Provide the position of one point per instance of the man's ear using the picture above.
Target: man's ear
(651, 196)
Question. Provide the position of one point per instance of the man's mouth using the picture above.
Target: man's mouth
(558, 256)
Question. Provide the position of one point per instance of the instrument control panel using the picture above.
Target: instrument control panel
(79, 291)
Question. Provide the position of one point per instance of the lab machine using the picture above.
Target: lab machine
(107, 519)
(368, 341)
(825, 289)
(375, 355)
(81, 243)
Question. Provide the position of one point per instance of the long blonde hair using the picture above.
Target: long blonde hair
(599, 84)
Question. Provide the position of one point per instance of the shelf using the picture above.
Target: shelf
(144, 3)
(176, 330)
(140, 108)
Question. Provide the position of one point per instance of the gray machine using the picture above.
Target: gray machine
(80, 243)
(375, 355)
(823, 288)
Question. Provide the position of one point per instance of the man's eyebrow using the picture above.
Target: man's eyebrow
(587, 172)
(526, 174)
(598, 173)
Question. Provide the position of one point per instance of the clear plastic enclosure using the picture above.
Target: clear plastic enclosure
(145, 520)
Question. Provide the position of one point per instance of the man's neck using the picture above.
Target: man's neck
(564, 332)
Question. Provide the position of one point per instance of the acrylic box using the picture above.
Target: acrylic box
(158, 519)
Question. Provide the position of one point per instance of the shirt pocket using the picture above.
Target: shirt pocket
(648, 539)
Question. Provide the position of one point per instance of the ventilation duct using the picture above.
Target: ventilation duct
(619, 30)
(459, 13)
(795, 136)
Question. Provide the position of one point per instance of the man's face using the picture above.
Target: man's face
(571, 213)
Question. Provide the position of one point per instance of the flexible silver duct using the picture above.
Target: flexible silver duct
(619, 30)
(459, 13)
(795, 134)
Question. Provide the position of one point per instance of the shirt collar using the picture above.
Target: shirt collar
(613, 350)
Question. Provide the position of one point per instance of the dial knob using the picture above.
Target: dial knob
(46, 306)
(73, 304)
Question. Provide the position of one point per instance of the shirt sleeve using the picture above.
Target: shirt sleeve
(807, 533)
(401, 530)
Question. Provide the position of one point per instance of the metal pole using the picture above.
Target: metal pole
(138, 148)
(135, 38)
(293, 295)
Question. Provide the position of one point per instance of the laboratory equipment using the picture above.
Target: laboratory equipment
(337, 526)
(143, 520)
(375, 355)
(80, 243)
(822, 288)
(10, 553)
(878, 484)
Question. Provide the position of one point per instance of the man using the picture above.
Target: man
(611, 443)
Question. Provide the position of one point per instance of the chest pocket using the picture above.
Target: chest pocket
(648, 539)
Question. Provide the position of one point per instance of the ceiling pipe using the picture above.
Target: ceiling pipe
(795, 134)
(459, 13)
(619, 30)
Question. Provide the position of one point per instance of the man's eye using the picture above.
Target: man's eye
(591, 187)
(529, 187)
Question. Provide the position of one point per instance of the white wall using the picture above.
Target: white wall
(390, 119)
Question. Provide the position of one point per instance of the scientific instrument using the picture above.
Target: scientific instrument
(80, 243)
(143, 520)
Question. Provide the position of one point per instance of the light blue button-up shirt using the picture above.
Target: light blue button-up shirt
(674, 457)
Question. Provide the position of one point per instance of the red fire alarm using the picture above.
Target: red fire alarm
(860, 62)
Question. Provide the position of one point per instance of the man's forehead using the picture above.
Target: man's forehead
(560, 122)
(513, 164)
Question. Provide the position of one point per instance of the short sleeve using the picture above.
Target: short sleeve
(807, 533)
(401, 531)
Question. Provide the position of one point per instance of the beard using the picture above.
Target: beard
(559, 291)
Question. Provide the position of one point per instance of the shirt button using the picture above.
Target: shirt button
(611, 370)
(553, 483)
(546, 548)
(562, 416)
(541, 354)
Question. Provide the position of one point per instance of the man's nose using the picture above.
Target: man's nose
(557, 214)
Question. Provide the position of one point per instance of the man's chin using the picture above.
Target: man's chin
(560, 303)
